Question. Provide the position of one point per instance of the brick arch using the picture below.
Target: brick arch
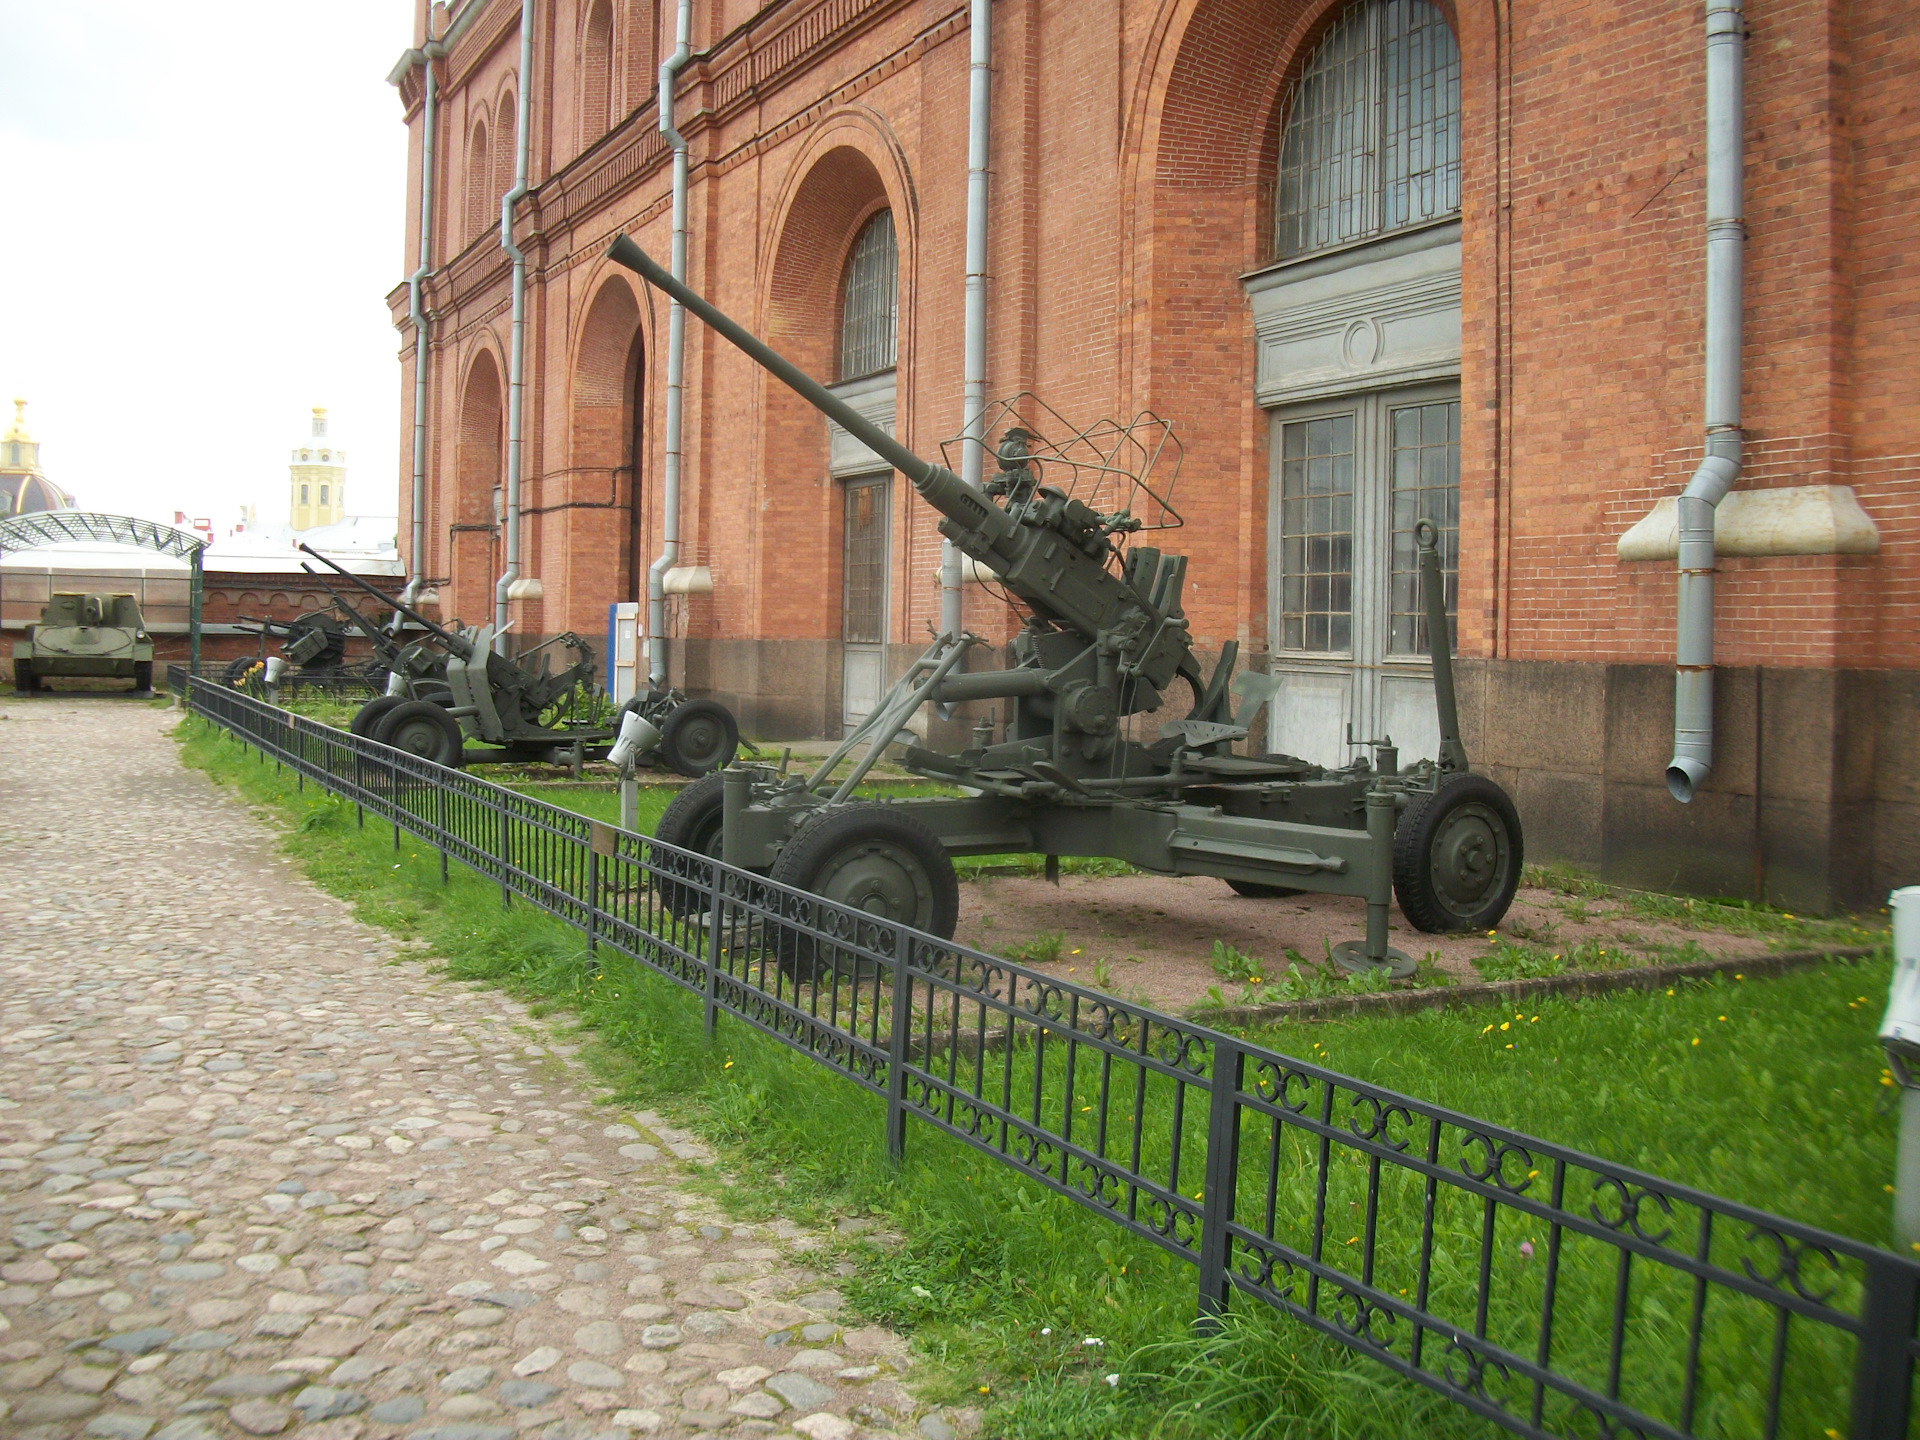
(479, 466)
(851, 169)
(505, 120)
(1199, 216)
(604, 444)
(479, 175)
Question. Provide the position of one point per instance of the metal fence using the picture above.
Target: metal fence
(1553, 1293)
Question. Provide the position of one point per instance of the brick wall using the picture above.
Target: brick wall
(1131, 152)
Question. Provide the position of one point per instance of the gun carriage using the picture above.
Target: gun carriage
(452, 687)
(1105, 639)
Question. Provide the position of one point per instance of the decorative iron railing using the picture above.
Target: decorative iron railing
(1552, 1292)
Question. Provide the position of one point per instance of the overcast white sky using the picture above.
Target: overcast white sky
(203, 210)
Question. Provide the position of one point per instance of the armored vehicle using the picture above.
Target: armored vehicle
(85, 636)
(1105, 640)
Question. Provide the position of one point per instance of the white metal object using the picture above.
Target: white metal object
(1900, 1038)
(1900, 1029)
(276, 669)
(623, 650)
(1726, 252)
(637, 736)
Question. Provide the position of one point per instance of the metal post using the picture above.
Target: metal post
(506, 862)
(1358, 957)
(736, 793)
(1883, 1364)
(629, 801)
(897, 1051)
(715, 918)
(1453, 755)
(195, 589)
(593, 899)
(1222, 1180)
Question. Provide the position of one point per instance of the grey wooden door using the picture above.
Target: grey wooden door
(863, 608)
(1351, 476)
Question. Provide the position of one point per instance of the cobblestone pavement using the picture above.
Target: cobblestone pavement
(262, 1174)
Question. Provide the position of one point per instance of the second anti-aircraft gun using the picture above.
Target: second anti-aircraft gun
(1105, 639)
(452, 686)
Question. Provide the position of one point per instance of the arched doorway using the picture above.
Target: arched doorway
(602, 505)
(473, 534)
(834, 306)
(1358, 326)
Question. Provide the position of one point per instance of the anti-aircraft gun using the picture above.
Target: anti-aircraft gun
(1105, 639)
(451, 686)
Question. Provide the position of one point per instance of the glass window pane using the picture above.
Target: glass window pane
(869, 308)
(1316, 541)
(1426, 485)
(1371, 137)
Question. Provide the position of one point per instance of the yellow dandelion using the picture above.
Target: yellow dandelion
(1696, 1039)
(1506, 1024)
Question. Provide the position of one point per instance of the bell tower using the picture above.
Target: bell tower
(317, 487)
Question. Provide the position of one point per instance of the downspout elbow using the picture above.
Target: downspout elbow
(1693, 653)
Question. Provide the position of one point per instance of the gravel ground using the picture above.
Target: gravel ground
(261, 1173)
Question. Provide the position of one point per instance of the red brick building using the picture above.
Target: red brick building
(1366, 254)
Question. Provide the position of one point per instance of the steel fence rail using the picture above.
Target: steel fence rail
(1551, 1292)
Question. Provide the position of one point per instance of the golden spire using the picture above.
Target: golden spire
(18, 429)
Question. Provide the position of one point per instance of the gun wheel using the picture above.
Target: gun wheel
(699, 737)
(872, 860)
(368, 717)
(1457, 856)
(420, 727)
(691, 821)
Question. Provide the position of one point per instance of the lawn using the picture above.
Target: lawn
(1002, 1286)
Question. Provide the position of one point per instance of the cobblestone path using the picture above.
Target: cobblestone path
(255, 1179)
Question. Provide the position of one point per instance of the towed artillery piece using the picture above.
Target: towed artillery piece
(451, 687)
(1104, 640)
(85, 637)
(314, 644)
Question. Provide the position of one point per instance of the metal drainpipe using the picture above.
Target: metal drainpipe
(516, 355)
(973, 453)
(1726, 243)
(416, 312)
(676, 359)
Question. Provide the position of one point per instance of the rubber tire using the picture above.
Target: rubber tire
(692, 822)
(143, 677)
(237, 669)
(687, 724)
(24, 680)
(426, 729)
(1426, 824)
(837, 835)
(368, 717)
(1253, 890)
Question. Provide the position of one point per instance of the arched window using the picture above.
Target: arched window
(303, 495)
(504, 121)
(479, 181)
(869, 301)
(1371, 137)
(323, 494)
(596, 73)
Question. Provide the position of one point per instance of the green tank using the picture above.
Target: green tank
(85, 637)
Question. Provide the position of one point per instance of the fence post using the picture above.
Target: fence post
(506, 860)
(713, 948)
(1883, 1365)
(440, 819)
(1222, 1179)
(593, 895)
(897, 1037)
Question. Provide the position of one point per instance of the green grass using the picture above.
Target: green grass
(1000, 1284)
